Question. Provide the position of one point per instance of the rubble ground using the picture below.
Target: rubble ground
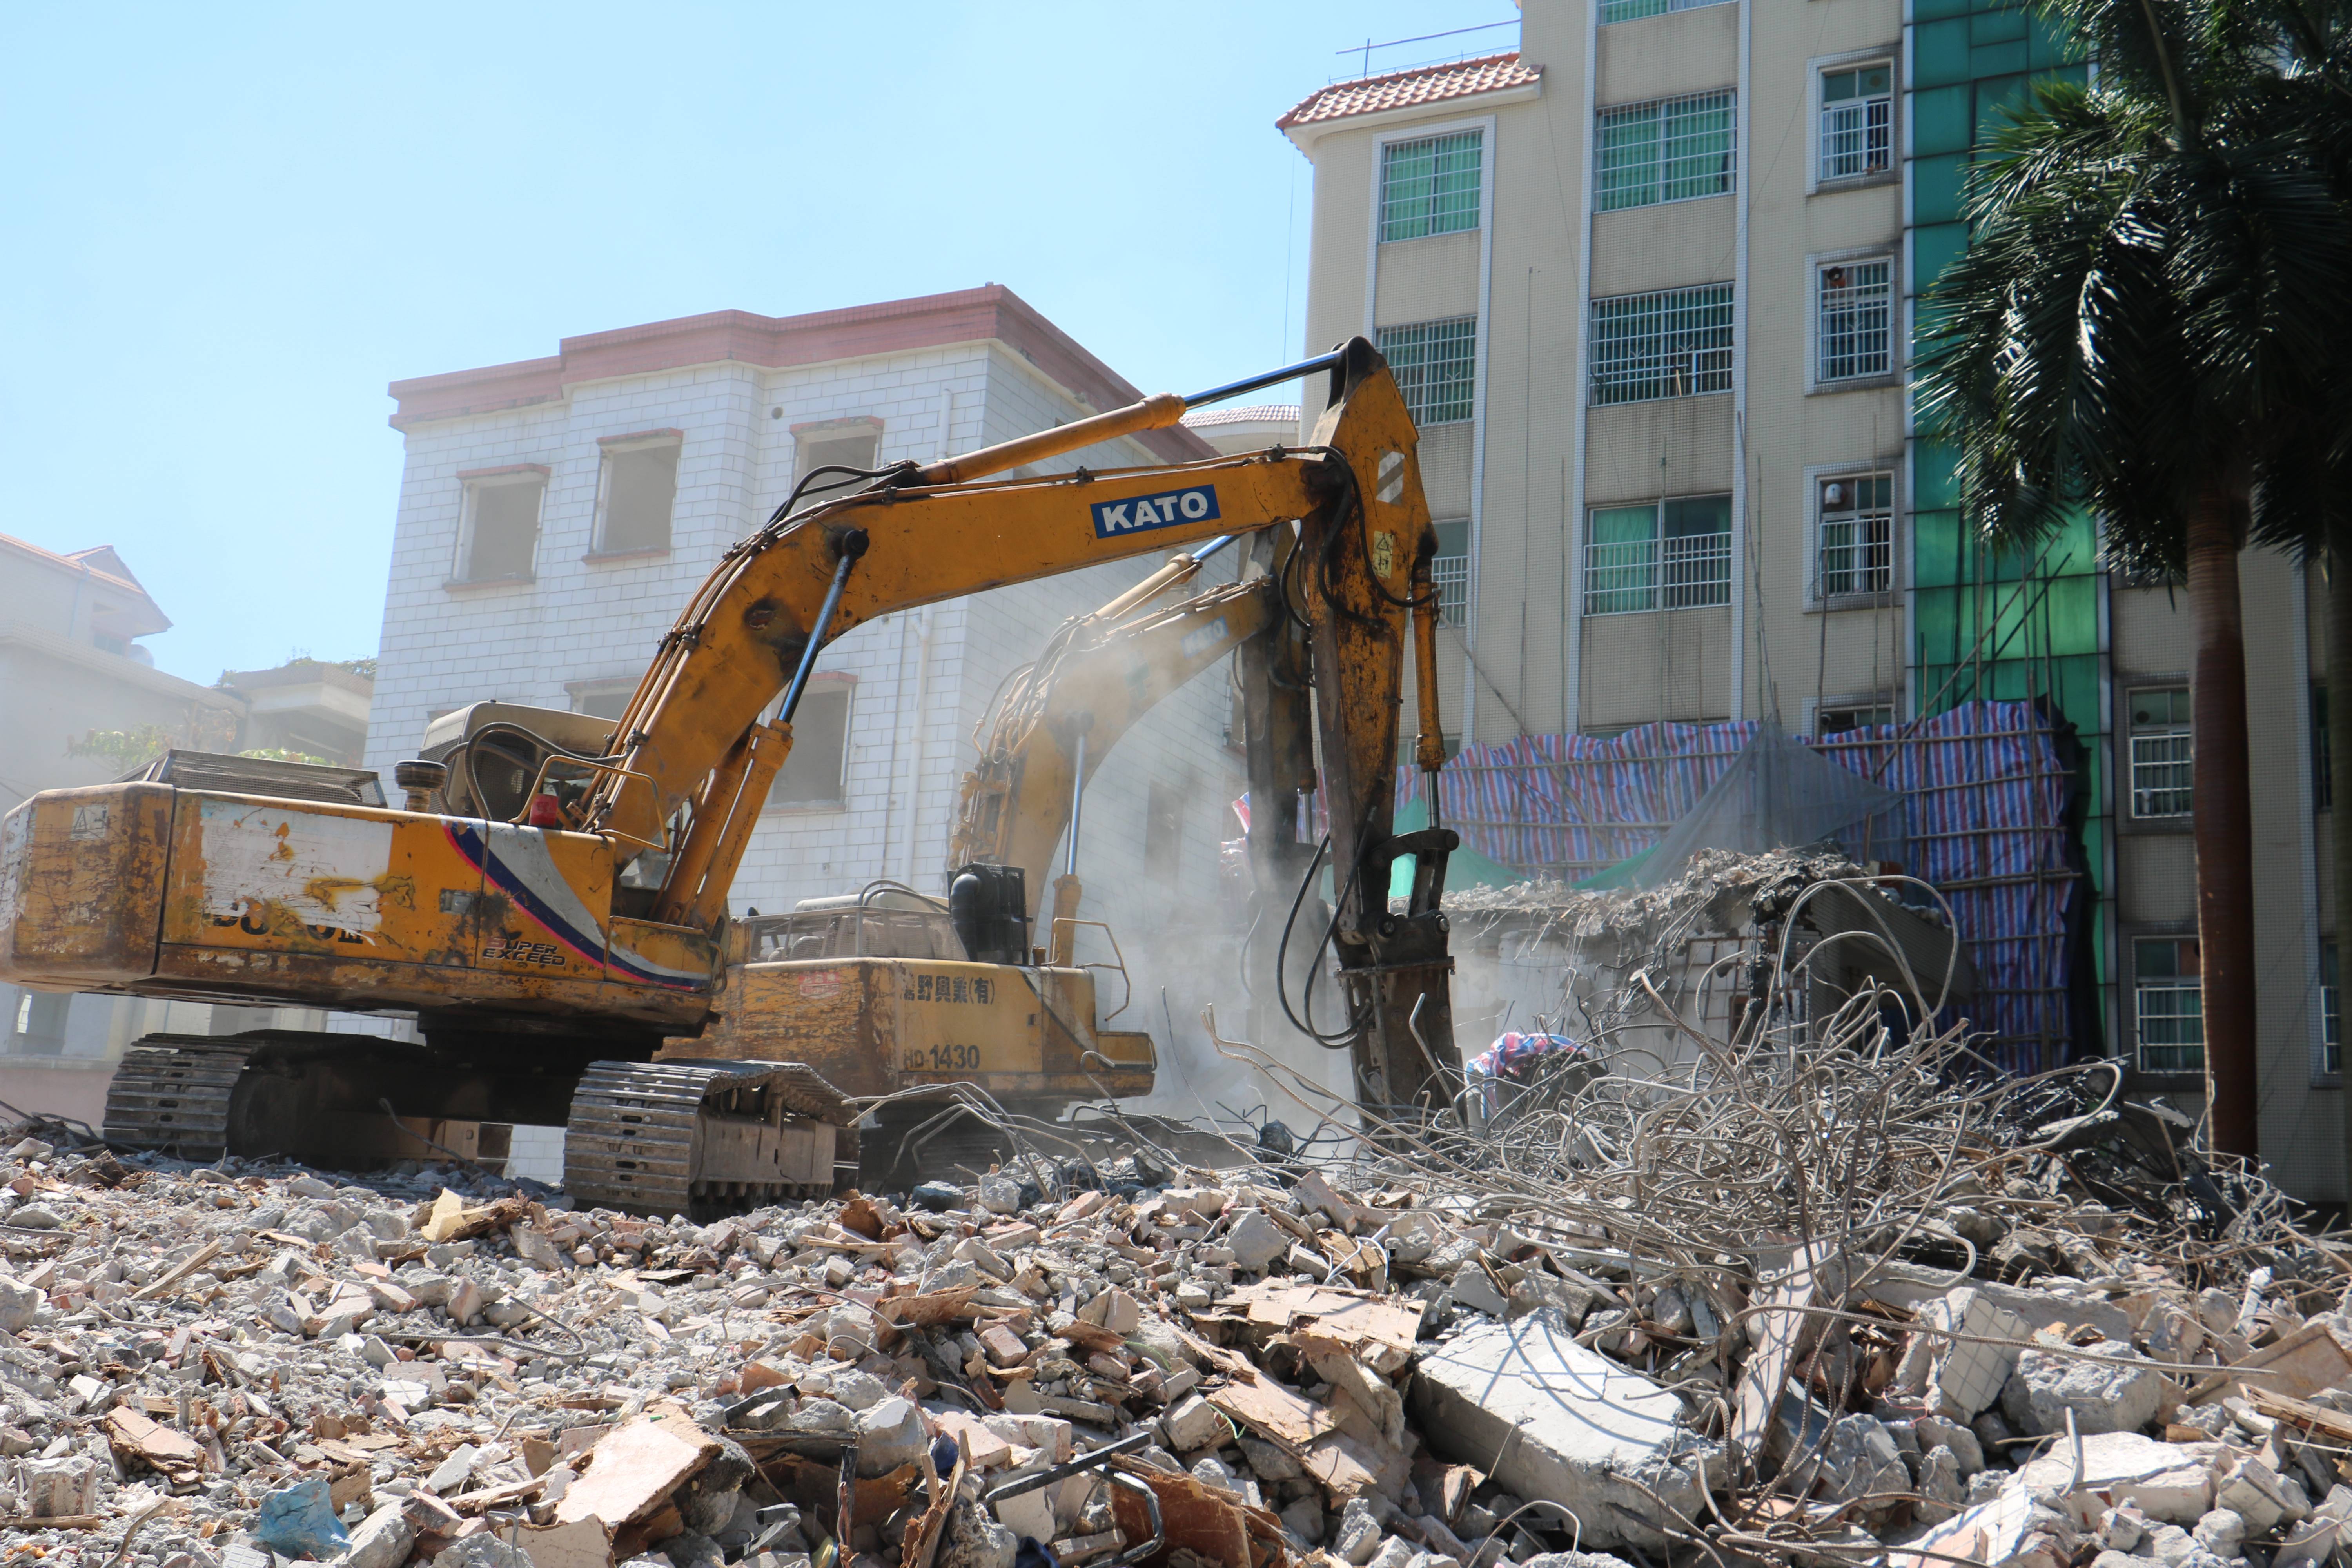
(1862, 1303)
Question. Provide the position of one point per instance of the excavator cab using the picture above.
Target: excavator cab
(885, 921)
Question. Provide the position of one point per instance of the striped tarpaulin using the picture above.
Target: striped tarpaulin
(1985, 797)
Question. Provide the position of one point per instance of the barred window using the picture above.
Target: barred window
(1628, 10)
(2168, 997)
(1673, 343)
(1857, 535)
(1857, 122)
(1671, 150)
(1449, 571)
(1855, 321)
(1659, 555)
(1433, 363)
(2163, 749)
(1430, 186)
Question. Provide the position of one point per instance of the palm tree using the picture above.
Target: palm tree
(2143, 324)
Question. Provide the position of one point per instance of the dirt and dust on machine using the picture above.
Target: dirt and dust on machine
(549, 898)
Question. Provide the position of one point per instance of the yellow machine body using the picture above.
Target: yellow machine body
(876, 1026)
(156, 891)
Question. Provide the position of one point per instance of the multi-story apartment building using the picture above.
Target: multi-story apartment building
(555, 516)
(1650, 282)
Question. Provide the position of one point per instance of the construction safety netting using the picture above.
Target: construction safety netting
(1973, 800)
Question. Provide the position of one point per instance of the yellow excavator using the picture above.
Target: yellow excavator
(1049, 728)
(550, 899)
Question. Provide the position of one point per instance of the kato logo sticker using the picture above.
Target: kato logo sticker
(1197, 503)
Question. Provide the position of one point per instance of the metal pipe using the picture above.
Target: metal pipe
(1287, 373)
(1078, 798)
(853, 547)
(1093, 1459)
(1156, 412)
(1179, 569)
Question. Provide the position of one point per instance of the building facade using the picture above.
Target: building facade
(1649, 282)
(556, 515)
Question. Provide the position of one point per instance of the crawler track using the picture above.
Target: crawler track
(172, 1092)
(630, 1144)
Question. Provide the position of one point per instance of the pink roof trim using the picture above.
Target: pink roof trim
(1406, 89)
(892, 326)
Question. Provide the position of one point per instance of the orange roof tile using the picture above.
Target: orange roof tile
(1405, 90)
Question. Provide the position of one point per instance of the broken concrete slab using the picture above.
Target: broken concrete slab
(2296, 1367)
(381, 1540)
(2107, 1458)
(1558, 1421)
(2106, 1386)
(2180, 1495)
(1975, 1352)
(634, 1468)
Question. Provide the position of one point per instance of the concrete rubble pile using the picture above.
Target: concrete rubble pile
(1969, 1331)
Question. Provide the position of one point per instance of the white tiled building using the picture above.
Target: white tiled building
(556, 514)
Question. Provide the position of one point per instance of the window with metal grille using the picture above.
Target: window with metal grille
(2162, 749)
(1670, 150)
(1676, 342)
(1430, 185)
(1857, 535)
(1630, 10)
(1855, 323)
(1857, 122)
(2169, 1002)
(1659, 555)
(1433, 363)
(1449, 571)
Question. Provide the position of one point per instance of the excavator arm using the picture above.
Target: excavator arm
(696, 750)
(1061, 716)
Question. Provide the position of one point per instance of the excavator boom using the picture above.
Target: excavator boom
(1059, 717)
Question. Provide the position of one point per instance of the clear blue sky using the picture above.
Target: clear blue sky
(228, 226)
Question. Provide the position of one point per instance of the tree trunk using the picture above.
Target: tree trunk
(2339, 756)
(2223, 820)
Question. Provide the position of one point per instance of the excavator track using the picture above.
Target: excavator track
(172, 1092)
(703, 1138)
